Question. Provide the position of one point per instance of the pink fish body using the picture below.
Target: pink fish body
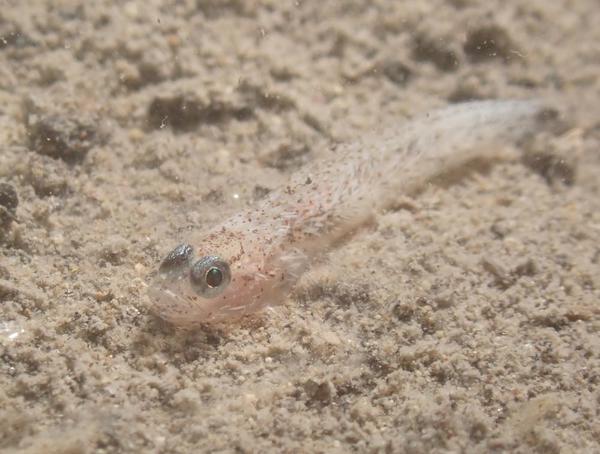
(254, 258)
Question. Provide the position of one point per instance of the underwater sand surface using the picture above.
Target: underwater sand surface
(467, 318)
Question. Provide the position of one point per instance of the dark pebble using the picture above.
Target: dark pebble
(397, 72)
(62, 138)
(8, 197)
(487, 43)
(436, 52)
(186, 112)
(320, 392)
(8, 204)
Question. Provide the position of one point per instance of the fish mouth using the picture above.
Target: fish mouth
(172, 299)
(166, 286)
(163, 299)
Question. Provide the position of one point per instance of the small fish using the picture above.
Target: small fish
(253, 259)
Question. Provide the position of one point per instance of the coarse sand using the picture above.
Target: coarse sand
(466, 319)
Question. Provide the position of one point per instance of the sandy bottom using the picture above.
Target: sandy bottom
(466, 319)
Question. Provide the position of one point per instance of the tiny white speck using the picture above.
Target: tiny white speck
(236, 196)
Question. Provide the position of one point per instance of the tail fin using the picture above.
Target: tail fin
(443, 139)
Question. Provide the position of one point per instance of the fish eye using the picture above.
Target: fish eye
(214, 277)
(209, 276)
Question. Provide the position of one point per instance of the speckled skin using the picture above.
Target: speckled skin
(268, 247)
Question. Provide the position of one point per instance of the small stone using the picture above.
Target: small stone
(403, 311)
(487, 43)
(397, 72)
(444, 299)
(286, 156)
(185, 112)
(527, 268)
(47, 176)
(260, 192)
(555, 158)
(59, 137)
(114, 250)
(321, 392)
(136, 135)
(214, 196)
(8, 197)
(501, 228)
(436, 52)
(503, 279)
(12, 36)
